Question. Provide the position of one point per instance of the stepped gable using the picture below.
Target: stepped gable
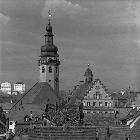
(82, 90)
(102, 85)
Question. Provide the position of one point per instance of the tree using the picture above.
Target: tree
(2, 120)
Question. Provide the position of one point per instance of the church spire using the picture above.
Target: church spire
(49, 16)
(49, 35)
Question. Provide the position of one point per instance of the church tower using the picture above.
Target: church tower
(88, 75)
(49, 60)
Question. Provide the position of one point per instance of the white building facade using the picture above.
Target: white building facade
(6, 88)
(19, 87)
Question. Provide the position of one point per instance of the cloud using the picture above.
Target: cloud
(61, 8)
(4, 19)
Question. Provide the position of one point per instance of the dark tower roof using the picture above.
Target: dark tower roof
(49, 27)
(88, 72)
(49, 49)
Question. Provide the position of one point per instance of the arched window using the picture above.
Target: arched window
(50, 69)
(43, 69)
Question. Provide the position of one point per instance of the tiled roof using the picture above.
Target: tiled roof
(79, 92)
(40, 93)
(6, 106)
(133, 114)
(33, 100)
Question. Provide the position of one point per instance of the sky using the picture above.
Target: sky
(102, 33)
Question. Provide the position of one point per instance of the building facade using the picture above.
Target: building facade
(97, 100)
(19, 87)
(6, 88)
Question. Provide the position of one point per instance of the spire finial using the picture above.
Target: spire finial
(49, 16)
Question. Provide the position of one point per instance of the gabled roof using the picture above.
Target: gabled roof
(103, 86)
(82, 90)
(40, 93)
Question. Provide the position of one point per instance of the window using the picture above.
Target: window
(50, 69)
(106, 103)
(100, 96)
(94, 96)
(43, 69)
(97, 96)
(49, 60)
(110, 104)
(88, 103)
(94, 103)
(56, 69)
(100, 104)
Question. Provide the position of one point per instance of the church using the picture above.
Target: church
(46, 90)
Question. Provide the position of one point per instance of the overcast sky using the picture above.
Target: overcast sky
(102, 33)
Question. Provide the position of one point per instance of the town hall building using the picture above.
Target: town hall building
(97, 98)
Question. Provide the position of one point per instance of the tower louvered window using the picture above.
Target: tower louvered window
(56, 69)
(50, 69)
(43, 69)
